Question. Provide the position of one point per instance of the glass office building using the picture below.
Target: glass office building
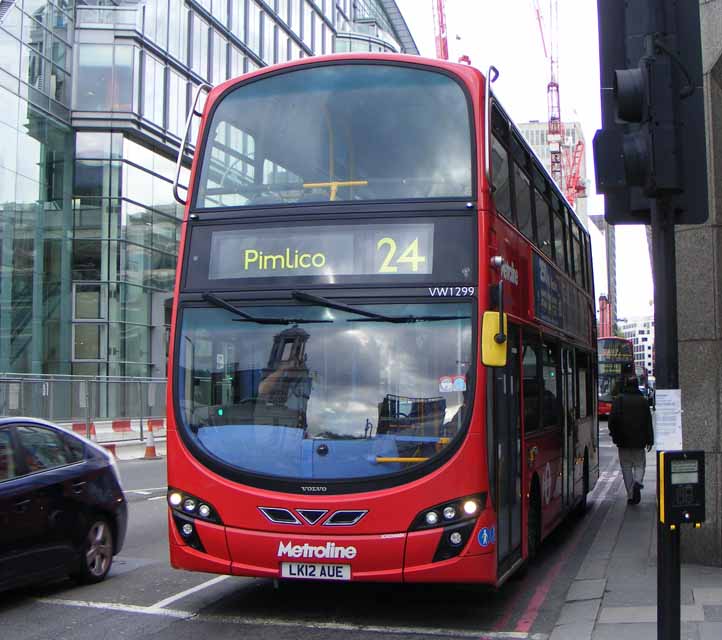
(94, 98)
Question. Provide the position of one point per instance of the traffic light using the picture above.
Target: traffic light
(652, 141)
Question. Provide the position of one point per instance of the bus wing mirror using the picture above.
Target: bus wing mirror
(493, 352)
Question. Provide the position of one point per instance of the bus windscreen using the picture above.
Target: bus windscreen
(329, 395)
(331, 133)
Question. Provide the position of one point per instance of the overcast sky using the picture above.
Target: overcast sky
(506, 34)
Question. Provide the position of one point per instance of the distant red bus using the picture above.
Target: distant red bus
(615, 358)
(382, 362)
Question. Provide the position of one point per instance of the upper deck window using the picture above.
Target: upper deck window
(351, 132)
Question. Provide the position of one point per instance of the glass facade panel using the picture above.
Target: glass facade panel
(87, 342)
(88, 225)
(88, 302)
(35, 221)
(94, 77)
(178, 30)
(199, 60)
(153, 90)
(177, 109)
(307, 24)
(238, 19)
(104, 78)
(254, 27)
(269, 48)
(220, 53)
(219, 10)
(237, 61)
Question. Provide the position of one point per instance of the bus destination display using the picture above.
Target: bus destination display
(321, 251)
(615, 350)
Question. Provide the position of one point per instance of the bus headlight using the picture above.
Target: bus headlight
(448, 513)
(190, 505)
(470, 507)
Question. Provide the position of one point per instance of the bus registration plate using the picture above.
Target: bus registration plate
(315, 571)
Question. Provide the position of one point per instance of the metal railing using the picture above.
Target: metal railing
(104, 408)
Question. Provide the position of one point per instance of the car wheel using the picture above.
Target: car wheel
(96, 553)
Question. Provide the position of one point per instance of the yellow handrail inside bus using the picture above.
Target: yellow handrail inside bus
(335, 184)
(385, 460)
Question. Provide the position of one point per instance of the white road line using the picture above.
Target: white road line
(179, 596)
(157, 498)
(281, 622)
(114, 606)
(146, 490)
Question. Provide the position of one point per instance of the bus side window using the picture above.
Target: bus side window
(500, 179)
(522, 200)
(559, 236)
(543, 223)
(532, 383)
(578, 256)
(550, 391)
(588, 247)
(570, 244)
(584, 401)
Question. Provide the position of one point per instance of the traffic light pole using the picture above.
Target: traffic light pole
(667, 377)
(664, 274)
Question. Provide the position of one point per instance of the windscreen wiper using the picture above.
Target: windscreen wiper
(247, 317)
(368, 316)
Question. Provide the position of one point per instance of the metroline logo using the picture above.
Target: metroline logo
(329, 551)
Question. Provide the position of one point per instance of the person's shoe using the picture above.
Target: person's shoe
(636, 493)
(630, 501)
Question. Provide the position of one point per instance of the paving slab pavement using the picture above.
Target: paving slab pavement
(614, 595)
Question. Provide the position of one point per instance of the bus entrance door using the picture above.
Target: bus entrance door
(570, 430)
(507, 437)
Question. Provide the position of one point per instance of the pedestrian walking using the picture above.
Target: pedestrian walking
(630, 425)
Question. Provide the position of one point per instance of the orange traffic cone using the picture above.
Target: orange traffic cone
(150, 452)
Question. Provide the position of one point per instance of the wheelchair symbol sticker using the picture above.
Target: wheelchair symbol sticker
(487, 536)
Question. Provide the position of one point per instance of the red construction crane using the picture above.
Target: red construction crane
(573, 188)
(555, 128)
(442, 41)
(566, 163)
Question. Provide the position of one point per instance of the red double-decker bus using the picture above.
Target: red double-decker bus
(383, 351)
(615, 359)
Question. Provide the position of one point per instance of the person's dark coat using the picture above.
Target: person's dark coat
(630, 422)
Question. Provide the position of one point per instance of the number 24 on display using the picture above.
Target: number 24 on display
(410, 255)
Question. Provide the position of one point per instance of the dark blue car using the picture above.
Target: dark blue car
(62, 509)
